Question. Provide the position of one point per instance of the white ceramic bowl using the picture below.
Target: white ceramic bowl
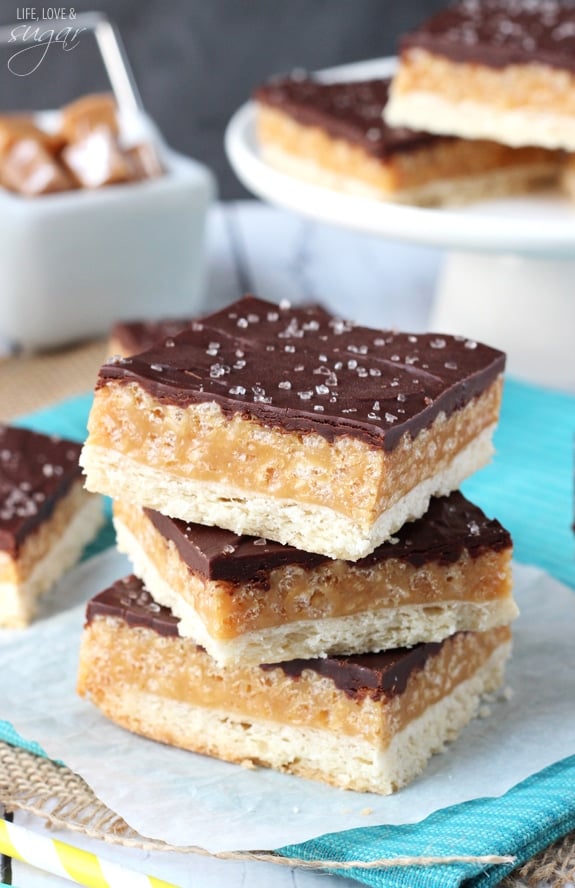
(73, 263)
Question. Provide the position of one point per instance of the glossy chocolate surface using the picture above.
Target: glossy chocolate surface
(301, 370)
(128, 600)
(35, 472)
(385, 674)
(451, 526)
(374, 675)
(137, 336)
(352, 111)
(498, 33)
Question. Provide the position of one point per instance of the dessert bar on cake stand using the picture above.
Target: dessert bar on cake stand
(509, 266)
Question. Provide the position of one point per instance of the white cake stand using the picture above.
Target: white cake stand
(509, 274)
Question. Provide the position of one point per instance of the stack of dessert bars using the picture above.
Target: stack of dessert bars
(310, 591)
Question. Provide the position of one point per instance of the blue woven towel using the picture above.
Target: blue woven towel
(529, 487)
(528, 818)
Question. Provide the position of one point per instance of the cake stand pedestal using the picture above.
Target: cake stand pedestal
(521, 304)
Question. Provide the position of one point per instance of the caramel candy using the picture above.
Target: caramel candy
(96, 160)
(14, 128)
(89, 113)
(29, 169)
(145, 161)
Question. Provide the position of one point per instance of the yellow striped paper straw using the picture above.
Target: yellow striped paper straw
(60, 859)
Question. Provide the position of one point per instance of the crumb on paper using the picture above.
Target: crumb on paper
(484, 711)
(366, 811)
(248, 764)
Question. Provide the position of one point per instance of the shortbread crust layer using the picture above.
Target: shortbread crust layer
(368, 723)
(435, 578)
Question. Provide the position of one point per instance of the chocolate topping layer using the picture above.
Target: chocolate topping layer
(374, 675)
(129, 600)
(137, 336)
(498, 33)
(351, 111)
(451, 526)
(35, 472)
(299, 369)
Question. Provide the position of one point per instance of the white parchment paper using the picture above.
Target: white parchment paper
(185, 798)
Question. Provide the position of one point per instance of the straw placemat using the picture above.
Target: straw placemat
(53, 792)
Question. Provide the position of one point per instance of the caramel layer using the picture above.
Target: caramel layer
(116, 655)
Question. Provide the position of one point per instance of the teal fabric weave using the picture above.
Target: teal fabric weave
(529, 484)
(528, 818)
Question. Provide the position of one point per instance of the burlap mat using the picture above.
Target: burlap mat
(38, 786)
(41, 787)
(33, 381)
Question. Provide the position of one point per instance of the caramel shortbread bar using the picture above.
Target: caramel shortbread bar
(291, 425)
(334, 135)
(249, 600)
(368, 722)
(496, 69)
(130, 337)
(46, 518)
